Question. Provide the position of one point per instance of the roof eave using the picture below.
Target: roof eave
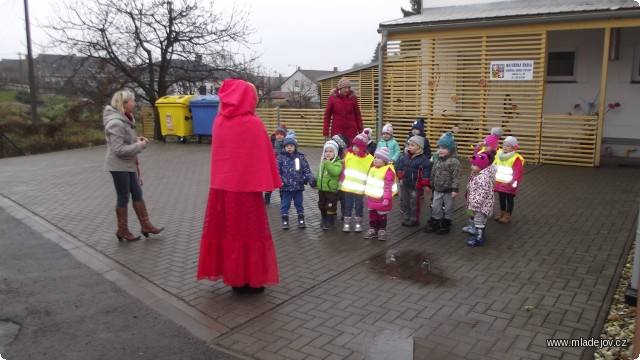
(511, 20)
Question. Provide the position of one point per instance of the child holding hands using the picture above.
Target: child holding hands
(380, 188)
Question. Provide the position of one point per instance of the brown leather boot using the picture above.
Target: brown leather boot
(506, 218)
(146, 227)
(499, 216)
(123, 227)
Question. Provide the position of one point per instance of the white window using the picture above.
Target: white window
(561, 65)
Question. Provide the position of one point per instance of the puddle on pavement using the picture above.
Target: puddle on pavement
(408, 265)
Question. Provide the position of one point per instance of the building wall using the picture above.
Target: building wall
(309, 87)
(560, 98)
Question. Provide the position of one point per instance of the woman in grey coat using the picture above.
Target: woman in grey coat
(123, 147)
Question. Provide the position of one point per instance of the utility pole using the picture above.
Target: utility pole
(21, 74)
(32, 76)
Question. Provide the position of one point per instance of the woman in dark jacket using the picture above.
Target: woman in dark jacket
(342, 115)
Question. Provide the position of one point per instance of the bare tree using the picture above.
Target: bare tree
(156, 44)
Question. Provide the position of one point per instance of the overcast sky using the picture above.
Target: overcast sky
(314, 35)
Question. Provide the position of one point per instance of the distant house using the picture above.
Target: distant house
(302, 87)
(54, 71)
(193, 77)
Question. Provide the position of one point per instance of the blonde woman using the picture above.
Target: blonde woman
(123, 147)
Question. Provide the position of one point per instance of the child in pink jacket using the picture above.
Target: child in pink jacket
(379, 188)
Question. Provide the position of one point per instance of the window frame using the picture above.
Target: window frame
(563, 78)
(635, 70)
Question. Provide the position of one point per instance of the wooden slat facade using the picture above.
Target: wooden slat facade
(445, 80)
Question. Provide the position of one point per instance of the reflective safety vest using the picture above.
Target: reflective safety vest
(355, 173)
(375, 182)
(504, 169)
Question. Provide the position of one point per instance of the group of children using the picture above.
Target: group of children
(350, 174)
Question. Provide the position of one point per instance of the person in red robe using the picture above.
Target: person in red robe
(236, 244)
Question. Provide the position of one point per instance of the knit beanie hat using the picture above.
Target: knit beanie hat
(367, 131)
(383, 154)
(481, 160)
(511, 140)
(418, 124)
(419, 140)
(387, 129)
(493, 139)
(290, 139)
(341, 140)
(281, 129)
(446, 141)
(344, 82)
(361, 140)
(333, 145)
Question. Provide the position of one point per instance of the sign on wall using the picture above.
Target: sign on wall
(511, 70)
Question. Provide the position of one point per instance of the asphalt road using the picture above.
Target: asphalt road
(54, 307)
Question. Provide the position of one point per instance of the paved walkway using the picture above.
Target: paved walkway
(549, 274)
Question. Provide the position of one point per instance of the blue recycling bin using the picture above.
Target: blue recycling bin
(204, 109)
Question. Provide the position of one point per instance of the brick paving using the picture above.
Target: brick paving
(339, 297)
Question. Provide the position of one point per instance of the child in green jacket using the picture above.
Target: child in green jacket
(328, 182)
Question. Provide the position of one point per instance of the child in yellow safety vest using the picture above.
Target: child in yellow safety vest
(357, 162)
(510, 169)
(380, 187)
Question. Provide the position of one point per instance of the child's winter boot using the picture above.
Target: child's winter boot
(371, 233)
(445, 227)
(323, 219)
(331, 222)
(382, 234)
(347, 224)
(506, 218)
(432, 225)
(285, 221)
(499, 215)
(358, 227)
(477, 239)
(301, 223)
(471, 228)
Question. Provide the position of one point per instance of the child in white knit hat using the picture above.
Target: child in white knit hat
(389, 142)
(328, 182)
(380, 187)
(510, 169)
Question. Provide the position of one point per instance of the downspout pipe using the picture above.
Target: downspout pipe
(383, 45)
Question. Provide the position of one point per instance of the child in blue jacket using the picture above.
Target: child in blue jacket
(414, 170)
(294, 171)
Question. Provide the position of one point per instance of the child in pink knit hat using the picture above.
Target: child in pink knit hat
(490, 143)
(379, 188)
(479, 196)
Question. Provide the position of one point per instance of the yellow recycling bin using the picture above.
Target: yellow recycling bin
(175, 116)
